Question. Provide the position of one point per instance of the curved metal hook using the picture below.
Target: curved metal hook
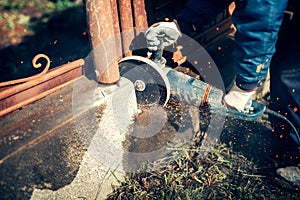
(35, 65)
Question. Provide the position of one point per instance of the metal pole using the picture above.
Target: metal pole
(140, 15)
(109, 19)
(101, 24)
(126, 19)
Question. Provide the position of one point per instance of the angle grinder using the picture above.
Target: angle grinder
(154, 82)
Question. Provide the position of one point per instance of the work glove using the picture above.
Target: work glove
(239, 99)
(167, 32)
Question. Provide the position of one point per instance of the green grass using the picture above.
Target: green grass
(190, 177)
(12, 11)
(222, 174)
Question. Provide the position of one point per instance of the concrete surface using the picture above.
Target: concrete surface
(53, 151)
(105, 150)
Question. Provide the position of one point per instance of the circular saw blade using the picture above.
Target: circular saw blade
(151, 84)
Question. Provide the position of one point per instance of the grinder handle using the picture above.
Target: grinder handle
(158, 54)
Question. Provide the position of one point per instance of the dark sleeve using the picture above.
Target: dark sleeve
(201, 12)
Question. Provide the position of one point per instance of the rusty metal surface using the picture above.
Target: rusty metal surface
(11, 90)
(101, 25)
(18, 96)
(140, 15)
(116, 24)
(126, 21)
(113, 19)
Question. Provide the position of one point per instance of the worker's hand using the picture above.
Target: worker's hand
(239, 99)
(167, 31)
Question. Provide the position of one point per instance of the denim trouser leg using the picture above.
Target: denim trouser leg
(257, 23)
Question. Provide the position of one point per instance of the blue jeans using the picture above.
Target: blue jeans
(257, 23)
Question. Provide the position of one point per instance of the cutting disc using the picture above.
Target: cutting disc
(151, 84)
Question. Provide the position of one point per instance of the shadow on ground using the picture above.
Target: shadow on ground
(40, 147)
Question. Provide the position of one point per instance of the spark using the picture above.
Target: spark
(281, 136)
(295, 109)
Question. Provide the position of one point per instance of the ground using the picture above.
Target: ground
(241, 166)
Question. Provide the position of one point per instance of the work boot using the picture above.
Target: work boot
(238, 99)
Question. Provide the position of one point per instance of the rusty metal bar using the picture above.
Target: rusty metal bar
(140, 15)
(100, 17)
(113, 18)
(11, 90)
(32, 99)
(18, 96)
(126, 21)
(117, 28)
